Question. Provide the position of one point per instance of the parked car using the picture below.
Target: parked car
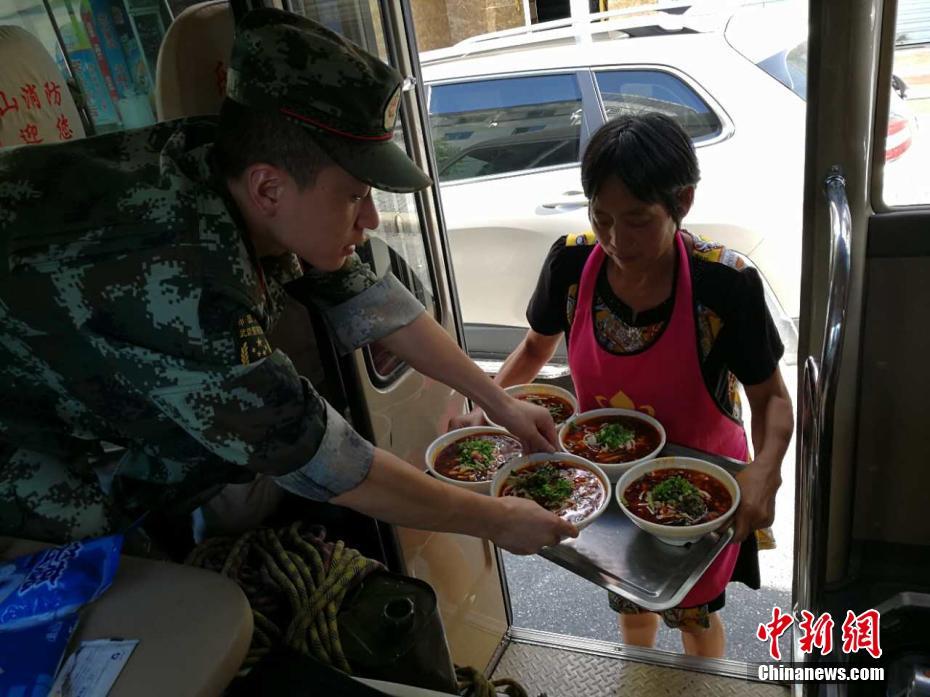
(510, 114)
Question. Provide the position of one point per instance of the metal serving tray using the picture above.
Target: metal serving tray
(615, 554)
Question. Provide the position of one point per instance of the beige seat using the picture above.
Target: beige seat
(191, 74)
(35, 103)
(194, 627)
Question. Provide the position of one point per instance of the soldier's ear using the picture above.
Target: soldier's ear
(266, 186)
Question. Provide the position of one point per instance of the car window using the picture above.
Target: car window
(789, 67)
(636, 91)
(487, 127)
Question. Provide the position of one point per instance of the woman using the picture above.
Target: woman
(659, 320)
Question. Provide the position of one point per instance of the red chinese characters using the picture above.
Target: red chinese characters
(30, 134)
(64, 128)
(816, 633)
(860, 632)
(52, 93)
(30, 95)
(6, 105)
(772, 630)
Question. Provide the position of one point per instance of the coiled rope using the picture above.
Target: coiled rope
(294, 581)
(473, 683)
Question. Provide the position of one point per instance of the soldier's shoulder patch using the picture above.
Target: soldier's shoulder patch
(251, 344)
(581, 239)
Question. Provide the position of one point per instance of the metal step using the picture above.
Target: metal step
(561, 666)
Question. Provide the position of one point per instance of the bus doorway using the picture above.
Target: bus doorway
(742, 74)
(861, 538)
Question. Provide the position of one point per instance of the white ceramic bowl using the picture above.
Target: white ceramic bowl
(432, 452)
(501, 476)
(615, 470)
(672, 534)
(541, 388)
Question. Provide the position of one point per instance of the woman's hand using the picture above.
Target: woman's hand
(524, 527)
(758, 484)
(531, 423)
(473, 418)
(772, 426)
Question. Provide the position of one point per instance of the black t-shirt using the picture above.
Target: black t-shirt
(737, 338)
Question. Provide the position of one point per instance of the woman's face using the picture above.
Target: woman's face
(633, 233)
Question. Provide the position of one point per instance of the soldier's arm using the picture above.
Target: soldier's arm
(429, 349)
(397, 493)
(358, 306)
(263, 416)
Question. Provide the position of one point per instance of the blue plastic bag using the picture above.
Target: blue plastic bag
(29, 657)
(56, 582)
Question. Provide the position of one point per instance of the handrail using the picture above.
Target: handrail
(807, 487)
(817, 401)
(840, 273)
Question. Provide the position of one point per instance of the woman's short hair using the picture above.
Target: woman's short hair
(246, 136)
(649, 153)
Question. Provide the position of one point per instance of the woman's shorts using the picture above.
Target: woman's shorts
(675, 617)
(746, 572)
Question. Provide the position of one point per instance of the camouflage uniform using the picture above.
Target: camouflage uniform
(133, 311)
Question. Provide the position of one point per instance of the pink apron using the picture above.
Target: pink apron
(665, 381)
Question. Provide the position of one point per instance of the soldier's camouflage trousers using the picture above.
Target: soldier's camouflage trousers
(45, 498)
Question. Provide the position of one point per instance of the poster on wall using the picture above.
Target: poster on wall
(97, 93)
(134, 105)
(145, 17)
(142, 74)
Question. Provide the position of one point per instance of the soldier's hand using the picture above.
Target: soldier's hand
(473, 418)
(531, 423)
(524, 527)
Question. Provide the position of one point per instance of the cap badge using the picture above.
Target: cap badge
(390, 111)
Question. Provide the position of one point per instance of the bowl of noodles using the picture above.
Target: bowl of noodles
(469, 457)
(573, 488)
(613, 439)
(560, 403)
(678, 499)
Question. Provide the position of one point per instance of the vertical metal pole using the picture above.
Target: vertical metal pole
(581, 14)
(527, 20)
(82, 108)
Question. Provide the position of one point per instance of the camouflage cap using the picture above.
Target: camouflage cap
(345, 97)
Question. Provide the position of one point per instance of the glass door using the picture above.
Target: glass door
(404, 410)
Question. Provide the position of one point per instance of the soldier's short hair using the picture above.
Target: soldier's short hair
(247, 136)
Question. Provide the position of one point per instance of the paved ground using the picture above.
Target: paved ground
(547, 597)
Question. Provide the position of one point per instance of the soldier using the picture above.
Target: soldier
(142, 270)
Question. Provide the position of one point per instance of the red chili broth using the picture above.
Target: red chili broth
(506, 448)
(645, 440)
(587, 490)
(718, 504)
(560, 409)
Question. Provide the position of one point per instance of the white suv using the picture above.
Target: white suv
(510, 114)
